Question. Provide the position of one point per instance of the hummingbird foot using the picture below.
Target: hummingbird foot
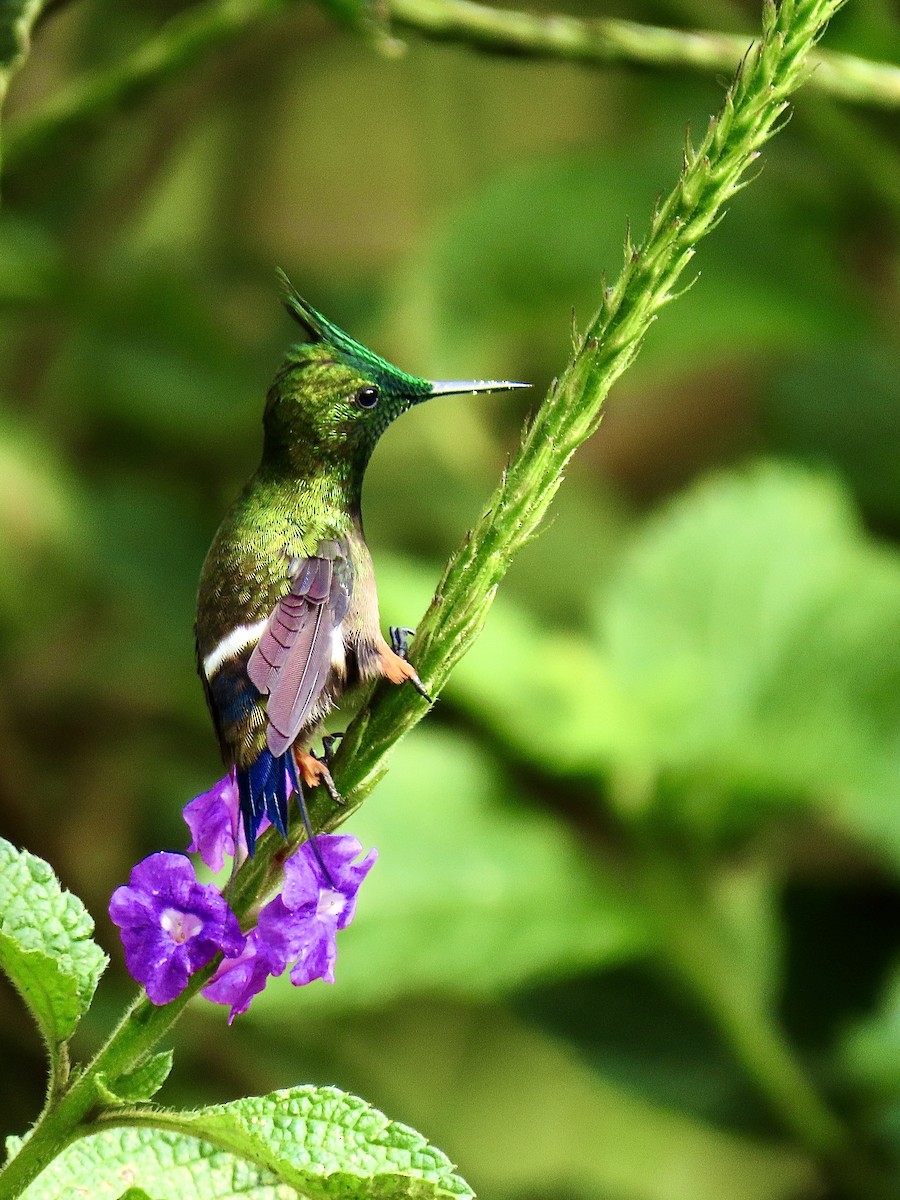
(328, 748)
(400, 635)
(398, 669)
(314, 771)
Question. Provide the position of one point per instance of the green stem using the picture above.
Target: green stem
(711, 175)
(207, 26)
(609, 42)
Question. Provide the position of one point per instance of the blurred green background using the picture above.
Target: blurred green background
(664, 788)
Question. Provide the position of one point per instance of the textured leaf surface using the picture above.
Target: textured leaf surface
(312, 1142)
(165, 1165)
(140, 1084)
(45, 943)
(327, 1143)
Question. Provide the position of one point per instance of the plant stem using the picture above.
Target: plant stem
(208, 26)
(610, 42)
(711, 175)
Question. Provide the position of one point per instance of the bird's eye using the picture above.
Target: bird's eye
(367, 397)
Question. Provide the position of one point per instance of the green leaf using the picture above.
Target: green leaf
(328, 1143)
(164, 1165)
(135, 1193)
(12, 1144)
(753, 633)
(45, 944)
(140, 1084)
(474, 893)
(319, 1141)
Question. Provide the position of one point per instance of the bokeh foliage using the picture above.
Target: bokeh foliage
(684, 711)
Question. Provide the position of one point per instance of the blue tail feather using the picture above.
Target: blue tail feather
(277, 803)
(262, 791)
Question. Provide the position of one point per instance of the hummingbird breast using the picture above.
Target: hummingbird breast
(291, 603)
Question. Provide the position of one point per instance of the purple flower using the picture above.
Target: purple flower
(238, 980)
(299, 926)
(171, 925)
(213, 818)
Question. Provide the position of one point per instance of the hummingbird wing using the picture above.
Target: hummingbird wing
(292, 660)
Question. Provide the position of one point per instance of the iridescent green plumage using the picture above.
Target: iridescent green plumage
(287, 613)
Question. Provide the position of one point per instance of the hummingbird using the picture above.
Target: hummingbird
(287, 609)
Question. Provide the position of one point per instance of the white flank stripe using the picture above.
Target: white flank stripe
(233, 643)
(338, 657)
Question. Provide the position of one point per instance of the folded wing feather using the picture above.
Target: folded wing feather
(292, 659)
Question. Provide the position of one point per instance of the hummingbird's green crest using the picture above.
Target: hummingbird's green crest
(287, 612)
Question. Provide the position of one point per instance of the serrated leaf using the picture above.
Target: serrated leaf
(135, 1193)
(165, 1165)
(327, 1143)
(140, 1084)
(318, 1142)
(45, 943)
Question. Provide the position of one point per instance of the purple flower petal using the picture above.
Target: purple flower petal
(171, 925)
(215, 823)
(212, 818)
(239, 979)
(304, 880)
(299, 926)
(316, 950)
(305, 936)
(275, 931)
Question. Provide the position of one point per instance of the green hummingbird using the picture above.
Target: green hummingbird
(287, 610)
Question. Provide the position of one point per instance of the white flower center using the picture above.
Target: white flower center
(180, 927)
(330, 903)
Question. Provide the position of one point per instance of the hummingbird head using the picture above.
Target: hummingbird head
(333, 398)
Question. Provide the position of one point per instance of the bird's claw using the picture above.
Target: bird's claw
(331, 789)
(421, 688)
(395, 662)
(314, 770)
(328, 748)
